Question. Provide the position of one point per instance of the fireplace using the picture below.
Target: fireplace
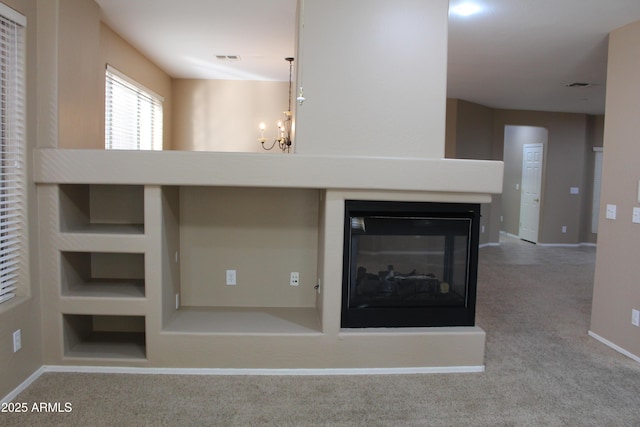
(409, 264)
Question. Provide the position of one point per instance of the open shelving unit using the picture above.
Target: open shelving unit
(99, 226)
(133, 264)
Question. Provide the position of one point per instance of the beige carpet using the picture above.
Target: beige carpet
(542, 369)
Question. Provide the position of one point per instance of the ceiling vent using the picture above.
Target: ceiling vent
(578, 84)
(228, 57)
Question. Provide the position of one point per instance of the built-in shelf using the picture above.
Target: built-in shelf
(103, 275)
(102, 209)
(111, 337)
(239, 320)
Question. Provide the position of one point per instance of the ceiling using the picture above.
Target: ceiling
(513, 54)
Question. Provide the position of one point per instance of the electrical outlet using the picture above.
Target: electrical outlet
(294, 280)
(611, 212)
(17, 340)
(231, 277)
(482, 229)
(635, 218)
(635, 317)
(564, 228)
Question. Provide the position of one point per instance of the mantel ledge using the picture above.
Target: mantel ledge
(198, 168)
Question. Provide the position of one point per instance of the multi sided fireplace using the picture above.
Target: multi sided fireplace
(409, 264)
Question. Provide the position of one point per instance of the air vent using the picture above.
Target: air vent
(228, 57)
(578, 84)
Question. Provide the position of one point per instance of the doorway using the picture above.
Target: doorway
(518, 200)
(531, 185)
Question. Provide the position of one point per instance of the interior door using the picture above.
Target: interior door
(531, 186)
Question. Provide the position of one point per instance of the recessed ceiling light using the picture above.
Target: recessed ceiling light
(466, 9)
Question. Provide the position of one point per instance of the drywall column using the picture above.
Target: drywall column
(374, 77)
(617, 277)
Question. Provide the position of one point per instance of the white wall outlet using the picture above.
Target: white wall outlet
(17, 340)
(517, 186)
(635, 317)
(501, 218)
(231, 277)
(294, 280)
(482, 229)
(564, 228)
(574, 190)
(611, 212)
(635, 218)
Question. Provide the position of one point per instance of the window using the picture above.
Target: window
(133, 114)
(13, 226)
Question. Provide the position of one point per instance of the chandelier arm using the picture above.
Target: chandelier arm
(270, 148)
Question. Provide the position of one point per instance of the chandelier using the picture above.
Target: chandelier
(283, 134)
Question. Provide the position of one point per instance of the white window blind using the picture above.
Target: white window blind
(13, 229)
(133, 114)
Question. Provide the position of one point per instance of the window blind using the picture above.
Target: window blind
(133, 115)
(13, 230)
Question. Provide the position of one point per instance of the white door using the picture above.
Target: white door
(530, 191)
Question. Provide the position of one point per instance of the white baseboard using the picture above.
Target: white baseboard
(484, 245)
(23, 386)
(245, 372)
(266, 372)
(614, 346)
(558, 245)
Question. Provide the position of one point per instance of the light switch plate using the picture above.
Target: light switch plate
(635, 218)
(574, 190)
(231, 277)
(611, 212)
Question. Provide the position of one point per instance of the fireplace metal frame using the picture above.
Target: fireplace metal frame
(397, 316)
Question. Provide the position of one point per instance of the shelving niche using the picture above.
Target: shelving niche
(106, 209)
(98, 274)
(99, 336)
(264, 235)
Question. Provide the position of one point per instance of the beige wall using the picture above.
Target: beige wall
(564, 168)
(80, 83)
(377, 91)
(469, 135)
(478, 132)
(223, 115)
(263, 234)
(24, 313)
(617, 276)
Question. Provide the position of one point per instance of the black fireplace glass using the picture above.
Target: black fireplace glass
(409, 264)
